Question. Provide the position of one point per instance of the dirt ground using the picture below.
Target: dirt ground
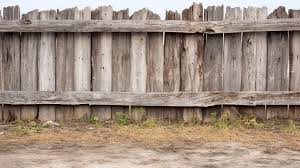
(92, 145)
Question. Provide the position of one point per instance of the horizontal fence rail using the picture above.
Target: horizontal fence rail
(175, 26)
(183, 99)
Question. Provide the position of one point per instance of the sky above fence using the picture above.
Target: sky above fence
(157, 6)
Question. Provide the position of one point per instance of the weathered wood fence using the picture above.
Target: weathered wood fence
(77, 64)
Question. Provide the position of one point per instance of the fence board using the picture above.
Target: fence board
(102, 61)
(1, 69)
(254, 61)
(191, 71)
(82, 63)
(212, 67)
(138, 73)
(173, 51)
(294, 111)
(29, 56)
(46, 66)
(278, 64)
(121, 62)
(65, 65)
(155, 65)
(11, 62)
(149, 99)
(232, 64)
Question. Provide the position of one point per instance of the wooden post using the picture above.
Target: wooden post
(120, 61)
(46, 66)
(212, 65)
(65, 65)
(1, 71)
(254, 61)
(191, 71)
(138, 72)
(294, 111)
(173, 51)
(278, 64)
(155, 65)
(82, 63)
(11, 62)
(29, 55)
(232, 64)
(102, 62)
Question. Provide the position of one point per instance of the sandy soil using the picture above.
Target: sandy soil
(124, 156)
(138, 146)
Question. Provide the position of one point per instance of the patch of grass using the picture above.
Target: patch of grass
(26, 129)
(195, 120)
(249, 122)
(122, 119)
(291, 128)
(95, 121)
(221, 123)
(150, 123)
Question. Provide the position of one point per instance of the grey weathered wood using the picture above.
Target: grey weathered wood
(121, 61)
(46, 65)
(1, 70)
(294, 37)
(232, 61)
(29, 76)
(173, 51)
(138, 71)
(212, 64)
(11, 62)
(163, 99)
(210, 27)
(65, 65)
(254, 61)
(102, 61)
(155, 66)
(191, 71)
(82, 63)
(278, 63)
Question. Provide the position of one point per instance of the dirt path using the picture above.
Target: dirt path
(125, 156)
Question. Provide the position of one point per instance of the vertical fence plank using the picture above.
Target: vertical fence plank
(278, 64)
(155, 64)
(173, 49)
(65, 65)
(1, 69)
(120, 61)
(212, 66)
(294, 112)
(254, 60)
(138, 72)
(192, 60)
(102, 62)
(11, 62)
(232, 63)
(29, 77)
(82, 63)
(46, 66)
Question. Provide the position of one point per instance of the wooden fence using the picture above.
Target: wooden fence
(78, 64)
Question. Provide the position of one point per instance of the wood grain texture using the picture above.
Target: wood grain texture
(82, 63)
(294, 37)
(120, 62)
(155, 66)
(46, 66)
(65, 65)
(29, 66)
(254, 60)
(11, 62)
(212, 67)
(278, 64)
(150, 99)
(210, 27)
(191, 71)
(173, 52)
(138, 72)
(232, 61)
(102, 61)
